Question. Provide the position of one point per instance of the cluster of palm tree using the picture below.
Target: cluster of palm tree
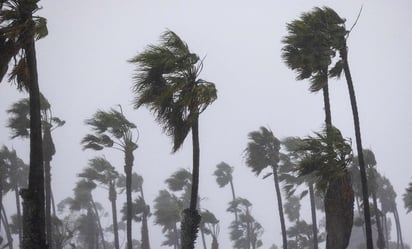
(167, 81)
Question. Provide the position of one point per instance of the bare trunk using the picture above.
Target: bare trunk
(129, 158)
(3, 218)
(280, 207)
(234, 198)
(112, 198)
(381, 240)
(19, 218)
(313, 211)
(339, 212)
(191, 217)
(362, 168)
(398, 226)
(99, 224)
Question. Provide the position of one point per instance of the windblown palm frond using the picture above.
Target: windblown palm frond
(167, 82)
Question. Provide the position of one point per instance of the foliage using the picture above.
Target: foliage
(407, 198)
(167, 82)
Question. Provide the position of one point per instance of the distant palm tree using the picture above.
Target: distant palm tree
(19, 123)
(14, 178)
(100, 171)
(167, 81)
(210, 226)
(262, 152)
(167, 208)
(224, 176)
(113, 130)
(19, 29)
(407, 198)
(246, 232)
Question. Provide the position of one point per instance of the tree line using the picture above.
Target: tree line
(167, 81)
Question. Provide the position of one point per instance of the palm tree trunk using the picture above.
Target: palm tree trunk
(234, 198)
(3, 218)
(129, 158)
(33, 205)
(47, 180)
(191, 217)
(112, 198)
(19, 219)
(176, 244)
(248, 236)
(215, 245)
(385, 225)
(313, 211)
(203, 238)
(145, 227)
(364, 181)
(280, 207)
(381, 240)
(99, 224)
(398, 226)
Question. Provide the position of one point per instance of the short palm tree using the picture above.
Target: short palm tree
(102, 173)
(327, 156)
(167, 81)
(19, 29)
(113, 130)
(262, 152)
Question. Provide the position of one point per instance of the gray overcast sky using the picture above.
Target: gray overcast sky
(83, 67)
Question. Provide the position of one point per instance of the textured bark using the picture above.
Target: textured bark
(280, 207)
(48, 151)
(339, 212)
(129, 158)
(362, 168)
(191, 218)
(33, 205)
(313, 212)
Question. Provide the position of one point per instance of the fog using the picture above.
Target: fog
(82, 66)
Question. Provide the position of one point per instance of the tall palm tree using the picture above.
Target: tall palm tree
(18, 32)
(224, 177)
(18, 122)
(167, 81)
(101, 172)
(113, 130)
(407, 198)
(262, 152)
(310, 48)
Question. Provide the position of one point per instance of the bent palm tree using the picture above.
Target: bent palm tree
(263, 151)
(18, 30)
(167, 81)
(113, 130)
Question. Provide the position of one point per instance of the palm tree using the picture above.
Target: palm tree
(407, 198)
(18, 122)
(327, 156)
(262, 151)
(310, 49)
(246, 232)
(167, 208)
(101, 172)
(83, 199)
(292, 181)
(167, 81)
(113, 130)
(17, 180)
(210, 225)
(224, 176)
(18, 32)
